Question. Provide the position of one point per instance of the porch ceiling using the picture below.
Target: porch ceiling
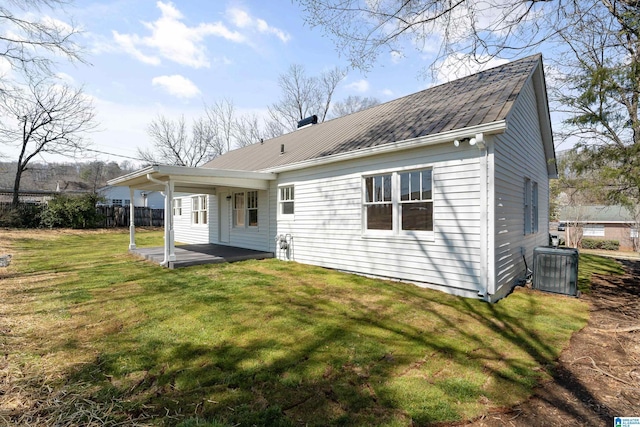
(193, 180)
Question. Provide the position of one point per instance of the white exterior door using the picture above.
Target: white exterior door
(225, 222)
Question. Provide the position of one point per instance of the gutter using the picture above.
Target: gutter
(423, 141)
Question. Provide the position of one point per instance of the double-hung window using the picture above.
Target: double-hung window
(399, 202)
(199, 209)
(286, 200)
(245, 209)
(177, 207)
(238, 209)
(378, 203)
(252, 208)
(416, 200)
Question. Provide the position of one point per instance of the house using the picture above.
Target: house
(446, 188)
(121, 196)
(602, 223)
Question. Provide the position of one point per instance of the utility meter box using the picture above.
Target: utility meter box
(556, 270)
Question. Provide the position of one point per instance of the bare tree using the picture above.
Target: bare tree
(172, 145)
(96, 173)
(247, 130)
(596, 44)
(327, 83)
(302, 96)
(49, 118)
(352, 104)
(364, 29)
(221, 117)
(29, 40)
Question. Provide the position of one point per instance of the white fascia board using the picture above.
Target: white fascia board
(439, 138)
(138, 179)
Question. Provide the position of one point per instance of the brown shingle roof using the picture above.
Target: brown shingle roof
(481, 98)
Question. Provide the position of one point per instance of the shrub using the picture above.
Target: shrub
(25, 215)
(607, 245)
(72, 211)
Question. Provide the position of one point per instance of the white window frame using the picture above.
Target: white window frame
(534, 207)
(242, 214)
(413, 200)
(199, 206)
(397, 203)
(286, 195)
(379, 199)
(633, 234)
(177, 207)
(116, 202)
(593, 230)
(531, 207)
(239, 212)
(252, 205)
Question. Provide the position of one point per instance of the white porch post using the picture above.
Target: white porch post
(132, 222)
(172, 243)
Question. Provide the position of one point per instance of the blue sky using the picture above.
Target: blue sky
(161, 57)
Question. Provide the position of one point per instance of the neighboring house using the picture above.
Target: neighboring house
(121, 196)
(36, 196)
(602, 223)
(446, 188)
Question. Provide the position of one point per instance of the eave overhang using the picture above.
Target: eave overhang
(439, 138)
(192, 179)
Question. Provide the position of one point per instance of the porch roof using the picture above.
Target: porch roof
(192, 179)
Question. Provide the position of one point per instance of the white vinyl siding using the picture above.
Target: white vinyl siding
(519, 154)
(259, 237)
(185, 231)
(328, 227)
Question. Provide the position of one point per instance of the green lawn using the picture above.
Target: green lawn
(257, 342)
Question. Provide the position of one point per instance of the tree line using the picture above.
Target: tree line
(220, 129)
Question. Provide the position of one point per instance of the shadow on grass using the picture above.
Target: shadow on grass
(269, 343)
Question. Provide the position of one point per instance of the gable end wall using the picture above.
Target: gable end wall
(518, 154)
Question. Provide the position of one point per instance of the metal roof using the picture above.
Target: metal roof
(479, 99)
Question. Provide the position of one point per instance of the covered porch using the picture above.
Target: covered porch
(212, 183)
(189, 255)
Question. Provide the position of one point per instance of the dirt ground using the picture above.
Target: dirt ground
(598, 376)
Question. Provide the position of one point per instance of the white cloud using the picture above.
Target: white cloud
(361, 86)
(387, 92)
(173, 40)
(128, 44)
(177, 85)
(396, 56)
(241, 19)
(66, 78)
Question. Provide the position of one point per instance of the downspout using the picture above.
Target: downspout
(169, 244)
(485, 218)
